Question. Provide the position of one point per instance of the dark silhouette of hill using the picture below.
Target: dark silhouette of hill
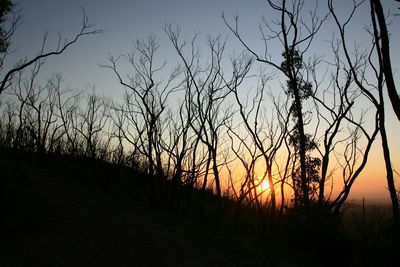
(74, 211)
(53, 215)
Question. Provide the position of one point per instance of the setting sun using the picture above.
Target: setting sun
(264, 185)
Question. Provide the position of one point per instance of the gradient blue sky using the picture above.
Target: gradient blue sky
(123, 21)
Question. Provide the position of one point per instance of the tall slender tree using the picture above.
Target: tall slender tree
(295, 36)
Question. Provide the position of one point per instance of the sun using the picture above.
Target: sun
(264, 185)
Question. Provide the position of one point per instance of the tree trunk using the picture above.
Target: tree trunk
(272, 189)
(324, 170)
(302, 149)
(385, 51)
(388, 166)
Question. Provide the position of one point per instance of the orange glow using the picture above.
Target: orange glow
(264, 185)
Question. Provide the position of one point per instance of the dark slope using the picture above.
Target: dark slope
(50, 219)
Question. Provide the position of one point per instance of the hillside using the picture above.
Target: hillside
(51, 219)
(71, 211)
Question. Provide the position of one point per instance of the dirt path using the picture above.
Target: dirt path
(58, 222)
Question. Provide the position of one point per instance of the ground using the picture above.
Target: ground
(52, 220)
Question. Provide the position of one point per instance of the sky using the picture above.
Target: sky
(123, 21)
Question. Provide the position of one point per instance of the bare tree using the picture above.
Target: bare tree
(265, 132)
(383, 49)
(145, 102)
(67, 105)
(8, 122)
(180, 144)
(92, 121)
(359, 64)
(36, 110)
(210, 91)
(333, 104)
(295, 36)
(9, 23)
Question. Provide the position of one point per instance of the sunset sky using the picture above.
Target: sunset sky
(123, 21)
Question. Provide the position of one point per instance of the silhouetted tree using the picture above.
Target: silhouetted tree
(8, 26)
(300, 90)
(67, 104)
(209, 92)
(333, 105)
(265, 132)
(181, 144)
(382, 40)
(296, 37)
(8, 122)
(93, 119)
(145, 103)
(357, 63)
